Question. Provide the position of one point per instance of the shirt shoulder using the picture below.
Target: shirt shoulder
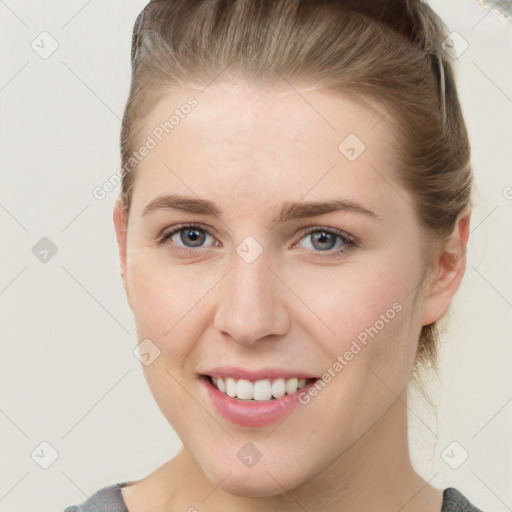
(110, 499)
(455, 501)
(107, 499)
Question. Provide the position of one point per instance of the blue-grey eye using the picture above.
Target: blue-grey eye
(324, 240)
(188, 237)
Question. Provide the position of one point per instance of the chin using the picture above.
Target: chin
(240, 485)
(253, 482)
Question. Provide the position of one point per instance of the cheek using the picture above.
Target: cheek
(337, 304)
(169, 305)
(369, 327)
(160, 293)
(152, 300)
(357, 302)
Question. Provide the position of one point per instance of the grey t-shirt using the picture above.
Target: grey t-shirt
(110, 499)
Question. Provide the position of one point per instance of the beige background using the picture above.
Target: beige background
(68, 374)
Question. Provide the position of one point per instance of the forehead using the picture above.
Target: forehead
(289, 110)
(291, 140)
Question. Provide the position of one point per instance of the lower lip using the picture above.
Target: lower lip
(252, 413)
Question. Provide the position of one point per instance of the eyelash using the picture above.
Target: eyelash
(347, 239)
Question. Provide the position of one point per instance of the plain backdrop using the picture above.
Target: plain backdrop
(69, 378)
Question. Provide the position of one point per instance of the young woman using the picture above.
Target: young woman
(292, 225)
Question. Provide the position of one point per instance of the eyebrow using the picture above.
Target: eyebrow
(289, 211)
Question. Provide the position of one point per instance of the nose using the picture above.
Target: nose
(251, 304)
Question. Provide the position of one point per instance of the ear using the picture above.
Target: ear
(448, 268)
(120, 224)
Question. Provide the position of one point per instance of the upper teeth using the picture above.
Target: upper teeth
(259, 390)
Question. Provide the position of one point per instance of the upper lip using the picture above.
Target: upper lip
(265, 373)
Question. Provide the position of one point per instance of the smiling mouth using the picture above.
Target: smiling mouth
(263, 390)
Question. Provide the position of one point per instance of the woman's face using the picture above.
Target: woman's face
(269, 284)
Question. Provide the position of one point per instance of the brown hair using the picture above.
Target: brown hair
(386, 51)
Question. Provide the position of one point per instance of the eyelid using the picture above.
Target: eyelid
(168, 233)
(172, 230)
(336, 231)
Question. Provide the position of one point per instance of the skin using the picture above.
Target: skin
(249, 151)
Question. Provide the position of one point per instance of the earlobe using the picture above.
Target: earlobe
(447, 271)
(120, 225)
